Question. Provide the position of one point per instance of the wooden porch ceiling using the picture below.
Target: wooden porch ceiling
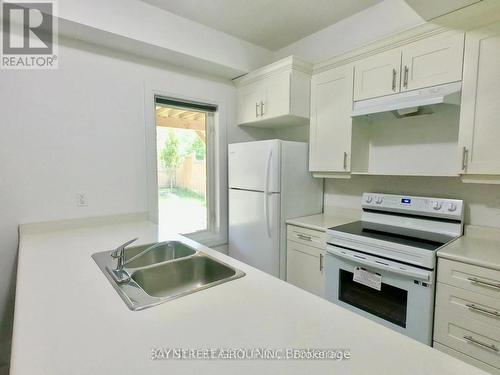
(180, 119)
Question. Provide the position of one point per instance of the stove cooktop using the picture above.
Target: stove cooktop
(389, 234)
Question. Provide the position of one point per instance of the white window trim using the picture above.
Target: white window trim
(216, 234)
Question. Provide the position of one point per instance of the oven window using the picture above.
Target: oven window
(389, 303)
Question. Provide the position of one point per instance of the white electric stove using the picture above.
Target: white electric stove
(383, 266)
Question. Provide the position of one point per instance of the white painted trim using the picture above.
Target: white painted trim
(217, 187)
(342, 175)
(288, 63)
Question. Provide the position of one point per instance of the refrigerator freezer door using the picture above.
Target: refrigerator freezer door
(255, 166)
(254, 229)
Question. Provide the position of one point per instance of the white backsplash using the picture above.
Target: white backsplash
(482, 202)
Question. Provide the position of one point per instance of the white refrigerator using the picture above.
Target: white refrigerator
(269, 182)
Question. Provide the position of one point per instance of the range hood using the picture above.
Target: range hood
(409, 102)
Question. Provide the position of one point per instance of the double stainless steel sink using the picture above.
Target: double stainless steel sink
(169, 270)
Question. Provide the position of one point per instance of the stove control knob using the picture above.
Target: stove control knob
(437, 205)
(452, 207)
(368, 199)
(379, 200)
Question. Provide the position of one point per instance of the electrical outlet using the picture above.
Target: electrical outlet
(81, 200)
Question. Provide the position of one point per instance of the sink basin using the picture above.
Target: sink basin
(171, 270)
(163, 252)
(189, 274)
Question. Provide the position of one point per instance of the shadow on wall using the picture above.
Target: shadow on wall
(6, 323)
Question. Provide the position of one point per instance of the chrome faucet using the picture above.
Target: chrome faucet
(119, 274)
(119, 254)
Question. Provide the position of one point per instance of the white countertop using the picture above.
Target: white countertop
(321, 222)
(70, 320)
(479, 246)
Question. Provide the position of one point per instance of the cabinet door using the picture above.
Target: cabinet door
(480, 112)
(331, 122)
(249, 101)
(378, 75)
(275, 100)
(432, 61)
(305, 267)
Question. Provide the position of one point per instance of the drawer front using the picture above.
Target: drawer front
(469, 304)
(308, 237)
(478, 340)
(466, 358)
(476, 279)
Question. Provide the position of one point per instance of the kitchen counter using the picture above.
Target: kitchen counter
(321, 222)
(479, 246)
(70, 320)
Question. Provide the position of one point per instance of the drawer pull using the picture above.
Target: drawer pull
(304, 237)
(477, 342)
(471, 306)
(321, 262)
(475, 280)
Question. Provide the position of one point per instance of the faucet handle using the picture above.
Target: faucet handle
(119, 250)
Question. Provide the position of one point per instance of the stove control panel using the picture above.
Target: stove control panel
(420, 206)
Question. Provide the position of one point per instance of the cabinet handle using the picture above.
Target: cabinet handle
(407, 71)
(304, 237)
(475, 280)
(465, 157)
(256, 109)
(321, 262)
(394, 74)
(345, 161)
(480, 343)
(262, 108)
(493, 313)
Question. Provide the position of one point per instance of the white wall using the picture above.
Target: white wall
(141, 26)
(482, 202)
(81, 128)
(376, 22)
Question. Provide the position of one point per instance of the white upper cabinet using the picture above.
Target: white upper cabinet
(276, 95)
(331, 122)
(249, 101)
(428, 62)
(480, 117)
(378, 75)
(276, 99)
(432, 61)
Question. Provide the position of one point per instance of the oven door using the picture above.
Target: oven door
(405, 301)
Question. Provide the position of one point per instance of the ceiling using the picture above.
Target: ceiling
(272, 24)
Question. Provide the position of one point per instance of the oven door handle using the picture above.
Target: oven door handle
(421, 275)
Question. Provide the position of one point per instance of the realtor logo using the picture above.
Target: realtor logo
(28, 35)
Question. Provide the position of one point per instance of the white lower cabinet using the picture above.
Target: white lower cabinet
(467, 314)
(305, 259)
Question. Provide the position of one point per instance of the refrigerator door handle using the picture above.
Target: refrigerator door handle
(266, 194)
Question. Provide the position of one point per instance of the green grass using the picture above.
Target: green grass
(181, 193)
